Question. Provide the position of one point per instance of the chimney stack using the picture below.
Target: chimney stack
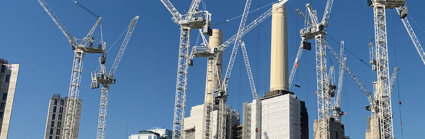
(214, 67)
(279, 50)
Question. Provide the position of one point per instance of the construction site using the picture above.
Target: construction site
(275, 69)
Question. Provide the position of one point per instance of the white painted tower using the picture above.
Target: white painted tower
(279, 50)
(214, 66)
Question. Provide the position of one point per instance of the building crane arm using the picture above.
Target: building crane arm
(393, 78)
(170, 7)
(303, 16)
(124, 45)
(236, 45)
(340, 76)
(312, 14)
(413, 36)
(328, 10)
(352, 75)
(193, 7)
(89, 36)
(249, 72)
(71, 39)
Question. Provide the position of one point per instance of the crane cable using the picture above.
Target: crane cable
(239, 16)
(351, 52)
(398, 87)
(116, 40)
(417, 24)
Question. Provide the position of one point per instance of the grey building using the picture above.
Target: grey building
(56, 118)
(8, 79)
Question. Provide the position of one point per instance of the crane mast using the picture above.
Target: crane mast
(106, 79)
(80, 47)
(194, 19)
(382, 117)
(325, 90)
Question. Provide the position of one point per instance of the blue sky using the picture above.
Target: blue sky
(143, 96)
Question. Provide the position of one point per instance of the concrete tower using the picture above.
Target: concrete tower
(193, 127)
(214, 67)
(279, 50)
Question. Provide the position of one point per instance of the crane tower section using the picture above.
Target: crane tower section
(382, 119)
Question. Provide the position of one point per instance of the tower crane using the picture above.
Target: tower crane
(106, 79)
(80, 47)
(317, 30)
(382, 118)
(194, 19)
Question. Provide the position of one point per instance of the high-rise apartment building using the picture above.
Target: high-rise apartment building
(8, 78)
(56, 118)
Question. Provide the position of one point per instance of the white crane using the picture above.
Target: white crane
(80, 47)
(382, 115)
(106, 79)
(194, 19)
(317, 30)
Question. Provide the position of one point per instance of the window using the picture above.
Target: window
(52, 124)
(4, 97)
(62, 102)
(51, 131)
(53, 116)
(60, 117)
(1, 115)
(54, 109)
(55, 102)
(50, 137)
(7, 78)
(58, 132)
(3, 68)
(59, 124)
(60, 109)
(2, 105)
(57, 137)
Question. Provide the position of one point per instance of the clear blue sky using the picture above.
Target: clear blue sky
(143, 96)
